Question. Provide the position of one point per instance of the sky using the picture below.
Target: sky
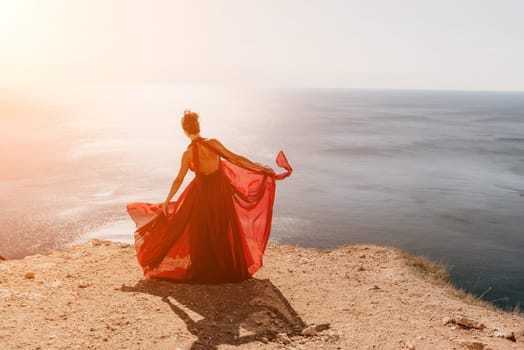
(407, 44)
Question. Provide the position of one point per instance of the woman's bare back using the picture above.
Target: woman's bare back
(209, 161)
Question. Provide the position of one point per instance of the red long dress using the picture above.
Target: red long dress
(216, 231)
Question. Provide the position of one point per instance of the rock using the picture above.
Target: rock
(310, 331)
(375, 287)
(264, 340)
(2, 258)
(447, 320)
(333, 337)
(362, 256)
(468, 323)
(410, 345)
(505, 334)
(360, 268)
(95, 242)
(464, 323)
(282, 337)
(29, 275)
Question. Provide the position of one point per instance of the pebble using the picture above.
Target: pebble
(447, 320)
(283, 337)
(334, 337)
(29, 275)
(505, 334)
(95, 242)
(310, 331)
(410, 345)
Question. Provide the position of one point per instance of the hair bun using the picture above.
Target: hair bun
(190, 122)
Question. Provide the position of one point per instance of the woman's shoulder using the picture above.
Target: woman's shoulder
(213, 142)
(187, 155)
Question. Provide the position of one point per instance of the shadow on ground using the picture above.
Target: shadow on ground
(229, 313)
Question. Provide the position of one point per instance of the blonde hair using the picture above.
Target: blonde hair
(190, 122)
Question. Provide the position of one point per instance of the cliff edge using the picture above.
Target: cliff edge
(93, 296)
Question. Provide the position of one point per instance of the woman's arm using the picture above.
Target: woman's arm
(184, 166)
(236, 158)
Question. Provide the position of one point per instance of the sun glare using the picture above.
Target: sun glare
(10, 12)
(13, 26)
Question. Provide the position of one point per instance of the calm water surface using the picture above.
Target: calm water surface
(432, 172)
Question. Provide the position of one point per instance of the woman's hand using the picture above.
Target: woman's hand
(164, 208)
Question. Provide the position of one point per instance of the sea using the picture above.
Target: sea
(435, 173)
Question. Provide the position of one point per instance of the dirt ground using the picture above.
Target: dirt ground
(93, 296)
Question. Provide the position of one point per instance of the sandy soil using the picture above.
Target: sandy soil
(93, 296)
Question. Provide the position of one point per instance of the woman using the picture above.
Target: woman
(218, 228)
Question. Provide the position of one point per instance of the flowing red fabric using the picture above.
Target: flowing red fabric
(217, 230)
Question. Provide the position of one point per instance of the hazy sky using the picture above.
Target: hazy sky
(441, 44)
